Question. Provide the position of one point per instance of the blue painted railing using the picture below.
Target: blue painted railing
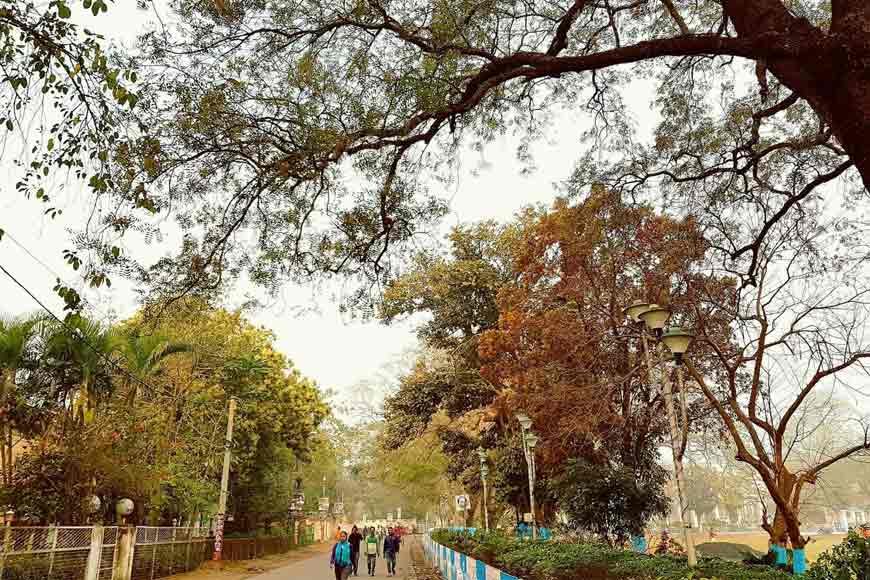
(457, 566)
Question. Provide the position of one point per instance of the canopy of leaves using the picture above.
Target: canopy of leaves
(563, 347)
(612, 501)
(140, 411)
(247, 126)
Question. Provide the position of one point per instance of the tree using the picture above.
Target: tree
(278, 409)
(144, 357)
(444, 393)
(418, 81)
(562, 348)
(798, 337)
(76, 366)
(612, 501)
(62, 96)
(122, 414)
(17, 355)
(458, 290)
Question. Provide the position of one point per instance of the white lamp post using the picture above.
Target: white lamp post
(529, 443)
(655, 317)
(484, 471)
(677, 340)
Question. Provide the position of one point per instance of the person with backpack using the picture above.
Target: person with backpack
(341, 558)
(373, 550)
(391, 549)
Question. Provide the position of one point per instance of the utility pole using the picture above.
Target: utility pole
(225, 483)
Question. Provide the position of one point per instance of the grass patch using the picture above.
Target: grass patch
(540, 560)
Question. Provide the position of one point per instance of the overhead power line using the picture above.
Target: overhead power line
(74, 332)
(50, 270)
(80, 337)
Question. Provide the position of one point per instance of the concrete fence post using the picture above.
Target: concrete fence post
(122, 568)
(92, 568)
(52, 539)
(7, 546)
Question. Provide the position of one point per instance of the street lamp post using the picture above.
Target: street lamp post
(677, 340)
(529, 443)
(484, 471)
(654, 318)
(323, 513)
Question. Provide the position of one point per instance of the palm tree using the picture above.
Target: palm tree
(144, 357)
(77, 357)
(17, 351)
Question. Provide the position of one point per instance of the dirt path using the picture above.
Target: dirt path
(251, 568)
(311, 563)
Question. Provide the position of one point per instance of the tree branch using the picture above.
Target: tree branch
(676, 16)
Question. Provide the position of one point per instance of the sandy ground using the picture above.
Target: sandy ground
(817, 545)
(758, 541)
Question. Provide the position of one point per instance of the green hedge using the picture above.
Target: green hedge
(540, 560)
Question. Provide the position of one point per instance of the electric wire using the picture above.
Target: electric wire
(52, 271)
(78, 335)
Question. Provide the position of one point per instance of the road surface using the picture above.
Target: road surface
(317, 568)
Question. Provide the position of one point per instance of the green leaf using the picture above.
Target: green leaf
(63, 10)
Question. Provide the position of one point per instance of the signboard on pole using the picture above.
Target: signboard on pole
(390, 517)
(339, 507)
(527, 517)
(323, 504)
(462, 503)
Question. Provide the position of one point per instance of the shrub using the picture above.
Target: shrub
(540, 560)
(30, 569)
(849, 560)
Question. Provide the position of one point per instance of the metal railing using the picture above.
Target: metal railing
(160, 552)
(55, 552)
(104, 553)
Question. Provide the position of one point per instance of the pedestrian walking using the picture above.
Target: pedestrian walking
(373, 550)
(354, 540)
(341, 558)
(391, 550)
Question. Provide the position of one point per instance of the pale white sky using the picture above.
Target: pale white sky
(325, 345)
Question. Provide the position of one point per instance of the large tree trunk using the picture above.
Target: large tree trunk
(786, 521)
(850, 93)
(835, 80)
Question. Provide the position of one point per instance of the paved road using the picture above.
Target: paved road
(317, 568)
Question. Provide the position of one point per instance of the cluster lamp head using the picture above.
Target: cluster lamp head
(531, 441)
(635, 309)
(677, 340)
(524, 420)
(655, 318)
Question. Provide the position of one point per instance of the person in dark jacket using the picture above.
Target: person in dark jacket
(391, 550)
(354, 539)
(341, 558)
